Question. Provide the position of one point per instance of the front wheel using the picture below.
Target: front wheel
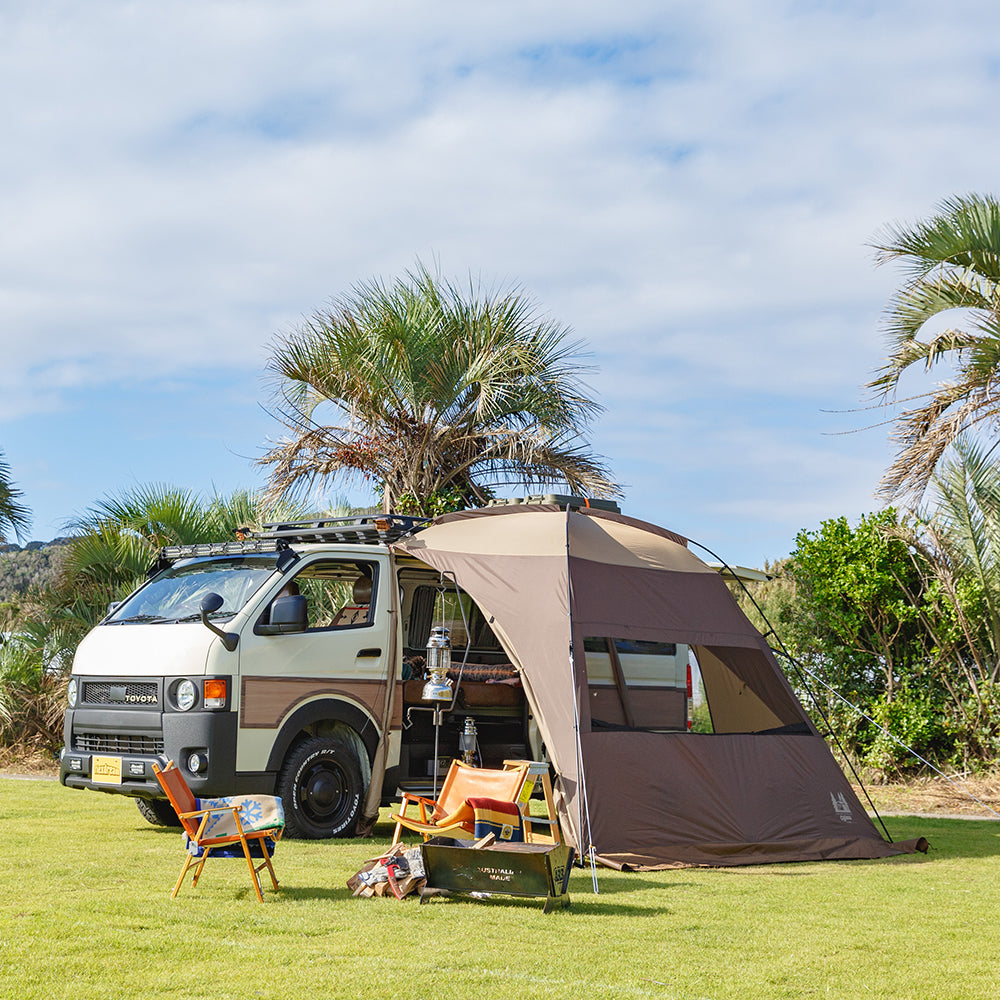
(321, 788)
(159, 812)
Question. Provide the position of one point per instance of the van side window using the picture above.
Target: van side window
(339, 593)
(421, 616)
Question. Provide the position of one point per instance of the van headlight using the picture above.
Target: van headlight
(72, 692)
(185, 695)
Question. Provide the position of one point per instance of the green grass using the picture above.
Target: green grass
(86, 914)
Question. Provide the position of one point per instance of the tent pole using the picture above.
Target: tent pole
(584, 804)
(582, 784)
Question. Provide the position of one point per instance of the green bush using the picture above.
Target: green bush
(978, 731)
(32, 699)
(918, 724)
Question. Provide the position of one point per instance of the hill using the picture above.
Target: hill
(35, 565)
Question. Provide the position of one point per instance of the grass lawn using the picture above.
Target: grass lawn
(86, 914)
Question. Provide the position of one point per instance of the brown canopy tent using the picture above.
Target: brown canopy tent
(555, 584)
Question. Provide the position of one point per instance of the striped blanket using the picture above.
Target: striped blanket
(502, 819)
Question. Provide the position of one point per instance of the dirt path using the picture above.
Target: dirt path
(938, 797)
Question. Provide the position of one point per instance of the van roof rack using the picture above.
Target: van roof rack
(243, 547)
(370, 529)
(367, 529)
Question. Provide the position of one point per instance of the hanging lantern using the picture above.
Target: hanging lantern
(438, 686)
(467, 743)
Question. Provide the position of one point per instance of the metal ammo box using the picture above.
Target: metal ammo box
(505, 869)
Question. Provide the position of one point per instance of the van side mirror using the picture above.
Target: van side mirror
(288, 614)
(209, 604)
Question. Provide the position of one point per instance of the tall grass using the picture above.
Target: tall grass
(32, 702)
(86, 914)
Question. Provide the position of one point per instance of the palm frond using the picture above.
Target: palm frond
(964, 233)
(911, 351)
(416, 374)
(913, 305)
(160, 514)
(924, 434)
(964, 525)
(953, 263)
(14, 516)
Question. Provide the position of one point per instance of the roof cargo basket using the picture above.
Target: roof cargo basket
(560, 500)
(372, 529)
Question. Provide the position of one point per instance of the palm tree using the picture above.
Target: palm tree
(14, 516)
(957, 543)
(435, 393)
(115, 542)
(953, 263)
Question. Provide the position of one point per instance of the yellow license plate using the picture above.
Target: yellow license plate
(106, 770)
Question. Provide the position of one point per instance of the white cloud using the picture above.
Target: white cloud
(691, 188)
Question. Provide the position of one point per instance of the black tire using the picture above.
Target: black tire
(321, 789)
(159, 812)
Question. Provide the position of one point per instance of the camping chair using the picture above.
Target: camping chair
(453, 810)
(220, 824)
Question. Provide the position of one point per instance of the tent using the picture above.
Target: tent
(763, 787)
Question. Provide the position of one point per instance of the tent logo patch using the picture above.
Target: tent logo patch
(841, 808)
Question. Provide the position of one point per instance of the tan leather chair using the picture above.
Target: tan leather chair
(452, 811)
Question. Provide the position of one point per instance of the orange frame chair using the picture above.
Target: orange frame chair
(196, 823)
(452, 811)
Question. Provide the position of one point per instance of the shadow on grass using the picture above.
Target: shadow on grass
(611, 882)
(581, 904)
(301, 893)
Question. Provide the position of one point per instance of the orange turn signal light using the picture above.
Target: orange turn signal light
(215, 692)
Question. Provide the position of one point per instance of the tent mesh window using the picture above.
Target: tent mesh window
(636, 684)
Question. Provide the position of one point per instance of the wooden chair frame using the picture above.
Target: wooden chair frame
(194, 821)
(537, 771)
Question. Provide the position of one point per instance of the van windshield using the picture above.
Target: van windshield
(176, 594)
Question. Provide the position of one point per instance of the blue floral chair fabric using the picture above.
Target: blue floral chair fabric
(257, 813)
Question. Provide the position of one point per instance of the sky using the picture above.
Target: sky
(692, 189)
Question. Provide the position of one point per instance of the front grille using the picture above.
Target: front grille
(108, 743)
(128, 693)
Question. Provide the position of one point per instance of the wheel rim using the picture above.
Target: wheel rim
(324, 791)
